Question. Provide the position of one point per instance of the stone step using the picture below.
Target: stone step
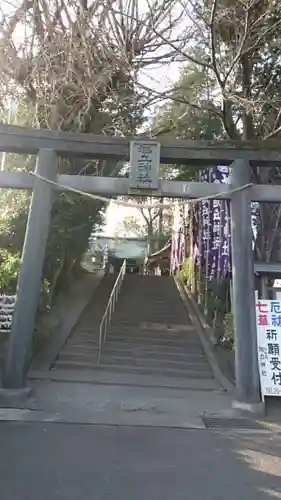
(165, 362)
(139, 303)
(159, 296)
(77, 349)
(148, 325)
(82, 358)
(137, 346)
(99, 304)
(190, 349)
(151, 335)
(149, 302)
(124, 346)
(166, 329)
(154, 328)
(94, 321)
(72, 365)
(91, 332)
(157, 293)
(136, 352)
(145, 315)
(93, 335)
(150, 286)
(81, 342)
(141, 297)
(135, 379)
(150, 350)
(153, 341)
(135, 319)
(122, 312)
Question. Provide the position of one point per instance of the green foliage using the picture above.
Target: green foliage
(72, 221)
(190, 112)
(228, 339)
(9, 270)
(215, 304)
(14, 207)
(131, 226)
(44, 301)
(186, 271)
(9, 273)
(153, 223)
(42, 333)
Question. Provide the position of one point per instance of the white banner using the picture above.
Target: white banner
(7, 306)
(268, 315)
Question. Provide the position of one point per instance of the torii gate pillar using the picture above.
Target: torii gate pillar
(246, 361)
(30, 276)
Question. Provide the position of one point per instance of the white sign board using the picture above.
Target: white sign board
(7, 306)
(268, 315)
(144, 161)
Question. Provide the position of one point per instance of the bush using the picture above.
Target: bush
(229, 331)
(186, 271)
(44, 300)
(9, 271)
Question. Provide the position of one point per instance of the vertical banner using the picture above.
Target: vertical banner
(211, 233)
(226, 241)
(215, 240)
(268, 318)
(195, 221)
(173, 253)
(181, 246)
(177, 250)
(206, 226)
(221, 228)
(178, 241)
(225, 264)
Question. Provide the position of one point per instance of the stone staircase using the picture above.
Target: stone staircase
(81, 348)
(150, 335)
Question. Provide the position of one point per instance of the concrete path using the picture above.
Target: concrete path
(74, 462)
(118, 405)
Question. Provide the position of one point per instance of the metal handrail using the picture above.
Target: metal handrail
(105, 321)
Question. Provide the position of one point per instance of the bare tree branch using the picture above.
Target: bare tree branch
(213, 43)
(75, 60)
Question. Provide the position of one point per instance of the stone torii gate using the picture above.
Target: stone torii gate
(49, 145)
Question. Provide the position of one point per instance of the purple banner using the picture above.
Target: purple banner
(206, 233)
(211, 237)
(222, 235)
(214, 235)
